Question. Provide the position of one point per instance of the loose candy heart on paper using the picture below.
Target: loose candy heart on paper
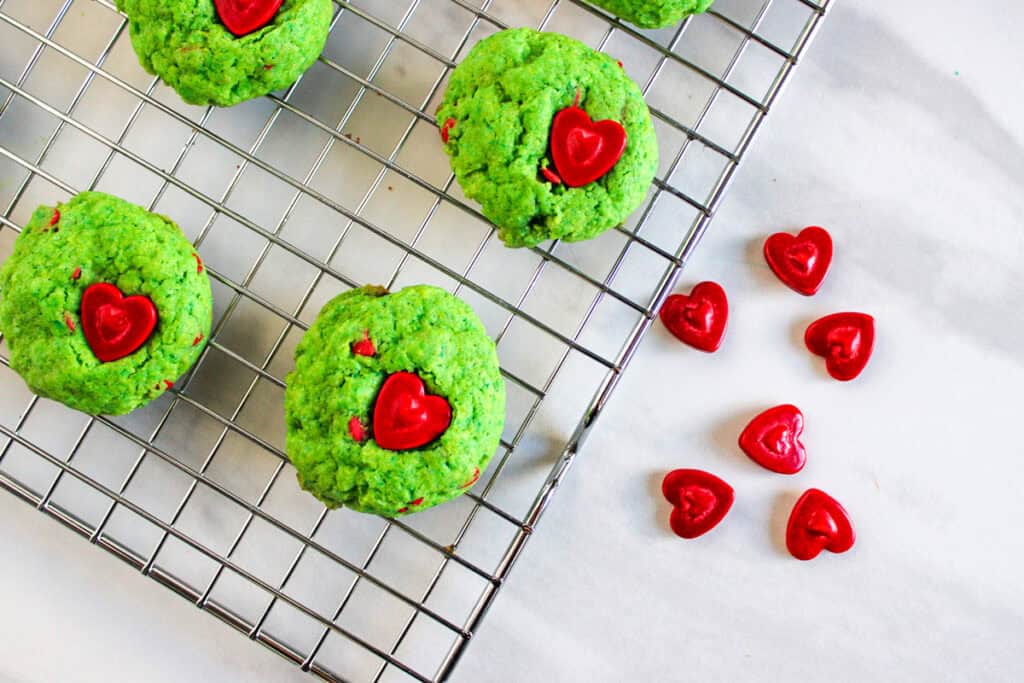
(844, 340)
(405, 416)
(772, 440)
(800, 261)
(698, 318)
(699, 499)
(818, 522)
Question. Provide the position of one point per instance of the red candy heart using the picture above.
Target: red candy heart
(114, 325)
(698, 319)
(406, 416)
(844, 340)
(584, 150)
(772, 440)
(700, 501)
(818, 522)
(242, 17)
(800, 261)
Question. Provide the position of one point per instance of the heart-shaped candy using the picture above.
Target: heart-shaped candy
(818, 522)
(114, 325)
(801, 261)
(844, 340)
(698, 318)
(584, 150)
(242, 17)
(699, 499)
(772, 439)
(405, 416)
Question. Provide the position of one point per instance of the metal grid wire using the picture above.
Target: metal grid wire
(337, 182)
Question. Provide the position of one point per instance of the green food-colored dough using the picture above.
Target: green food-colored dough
(185, 44)
(100, 238)
(502, 99)
(420, 329)
(653, 13)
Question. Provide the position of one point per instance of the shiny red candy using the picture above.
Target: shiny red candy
(772, 440)
(801, 261)
(114, 325)
(844, 340)
(818, 522)
(700, 501)
(584, 150)
(242, 17)
(698, 318)
(405, 416)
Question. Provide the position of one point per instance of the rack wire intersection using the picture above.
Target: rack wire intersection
(337, 182)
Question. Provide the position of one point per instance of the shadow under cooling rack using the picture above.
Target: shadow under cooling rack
(337, 182)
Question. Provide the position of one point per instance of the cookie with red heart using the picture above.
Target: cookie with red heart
(227, 51)
(125, 312)
(552, 138)
(396, 402)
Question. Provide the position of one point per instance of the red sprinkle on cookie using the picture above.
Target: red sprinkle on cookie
(772, 439)
(356, 429)
(844, 340)
(446, 128)
(802, 261)
(700, 501)
(698, 318)
(364, 347)
(818, 522)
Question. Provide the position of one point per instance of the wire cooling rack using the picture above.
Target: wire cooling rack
(337, 182)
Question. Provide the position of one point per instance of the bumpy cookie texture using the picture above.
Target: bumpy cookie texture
(497, 113)
(331, 394)
(653, 13)
(185, 44)
(97, 238)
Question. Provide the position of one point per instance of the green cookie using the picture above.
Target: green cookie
(96, 238)
(653, 13)
(497, 115)
(185, 44)
(359, 340)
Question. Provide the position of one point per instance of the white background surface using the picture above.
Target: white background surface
(902, 134)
